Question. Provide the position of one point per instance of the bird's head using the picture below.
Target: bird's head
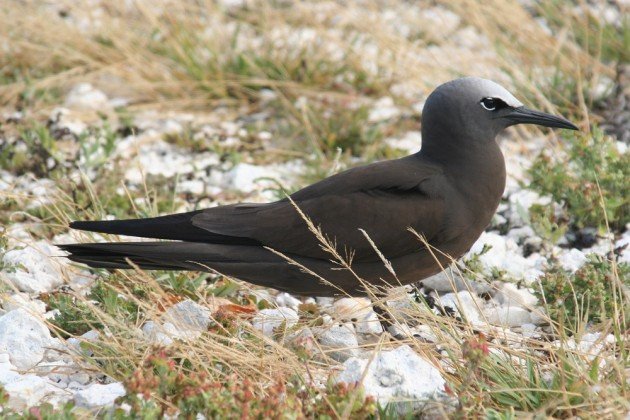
(477, 109)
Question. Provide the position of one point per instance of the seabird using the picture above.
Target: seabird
(447, 193)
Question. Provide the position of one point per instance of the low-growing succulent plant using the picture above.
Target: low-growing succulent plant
(162, 386)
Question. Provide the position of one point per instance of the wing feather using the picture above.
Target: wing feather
(384, 199)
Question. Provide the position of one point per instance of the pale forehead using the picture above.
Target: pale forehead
(488, 88)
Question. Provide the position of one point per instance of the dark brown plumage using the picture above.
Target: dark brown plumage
(447, 192)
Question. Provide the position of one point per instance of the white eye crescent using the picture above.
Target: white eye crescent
(490, 104)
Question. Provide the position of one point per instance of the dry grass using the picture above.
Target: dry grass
(194, 56)
(187, 54)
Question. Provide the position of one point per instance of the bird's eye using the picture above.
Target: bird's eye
(489, 104)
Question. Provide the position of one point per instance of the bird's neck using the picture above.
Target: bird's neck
(476, 166)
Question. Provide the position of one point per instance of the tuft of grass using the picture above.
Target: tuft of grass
(600, 38)
(593, 164)
(76, 316)
(592, 293)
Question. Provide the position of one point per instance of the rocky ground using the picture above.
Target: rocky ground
(163, 161)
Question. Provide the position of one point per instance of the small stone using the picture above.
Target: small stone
(24, 338)
(58, 371)
(532, 245)
(75, 343)
(465, 303)
(176, 331)
(244, 177)
(498, 221)
(52, 314)
(188, 315)
(35, 271)
(426, 333)
(57, 351)
(508, 316)
(529, 330)
(539, 316)
(360, 312)
(450, 280)
(80, 377)
(399, 377)
(97, 395)
(29, 390)
(22, 300)
(502, 253)
(92, 335)
(349, 308)
(75, 385)
(268, 320)
(8, 372)
(155, 335)
(85, 97)
(520, 234)
(520, 203)
(369, 324)
(339, 341)
(573, 260)
(287, 301)
(325, 302)
(192, 186)
(508, 294)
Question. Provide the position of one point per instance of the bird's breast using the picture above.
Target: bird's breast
(472, 202)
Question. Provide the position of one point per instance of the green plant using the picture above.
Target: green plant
(608, 40)
(493, 383)
(183, 283)
(546, 223)
(163, 385)
(74, 317)
(593, 178)
(96, 146)
(591, 293)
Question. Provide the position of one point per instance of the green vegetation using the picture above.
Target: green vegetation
(593, 177)
(505, 384)
(76, 317)
(547, 224)
(595, 292)
(163, 386)
(309, 76)
(609, 40)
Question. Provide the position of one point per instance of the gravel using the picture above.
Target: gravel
(35, 367)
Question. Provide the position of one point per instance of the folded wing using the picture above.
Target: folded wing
(384, 199)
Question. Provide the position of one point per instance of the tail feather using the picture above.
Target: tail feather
(177, 227)
(162, 255)
(123, 255)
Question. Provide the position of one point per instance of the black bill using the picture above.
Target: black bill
(523, 115)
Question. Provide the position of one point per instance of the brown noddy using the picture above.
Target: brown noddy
(447, 192)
